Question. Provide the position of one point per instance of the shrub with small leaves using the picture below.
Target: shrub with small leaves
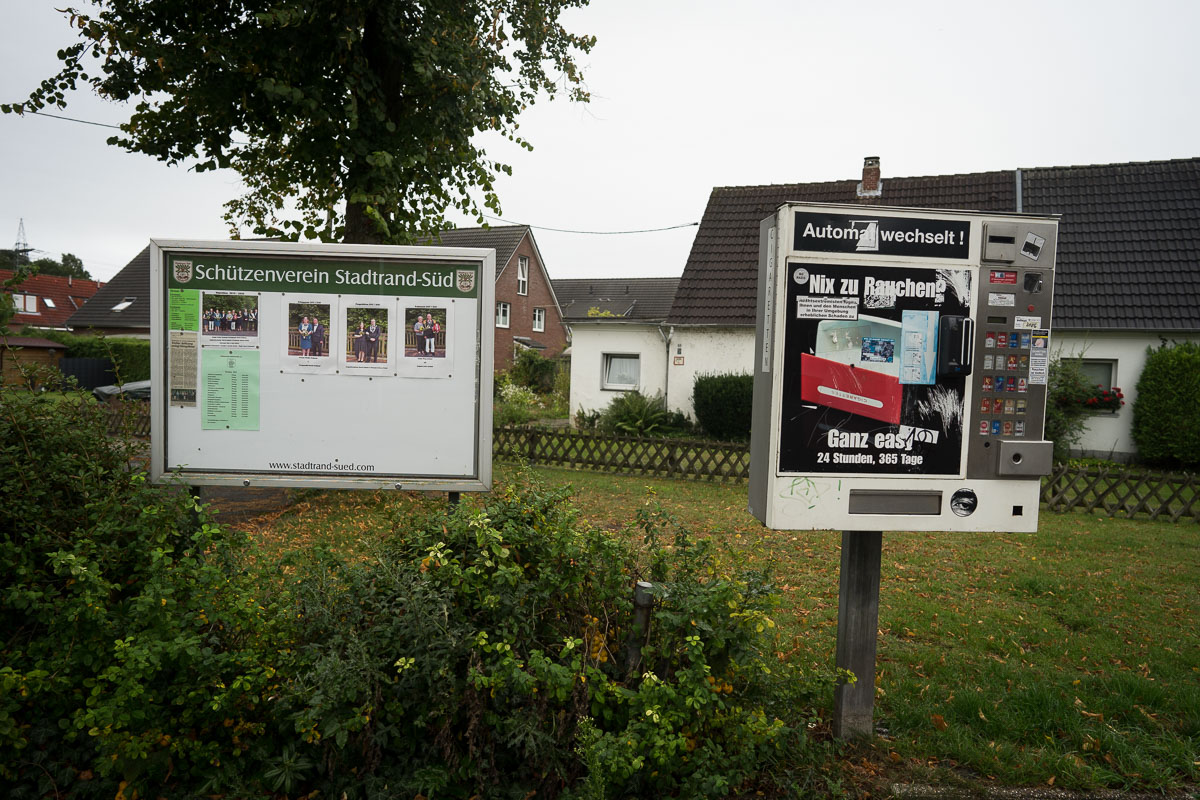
(134, 649)
(492, 651)
(1166, 413)
(723, 405)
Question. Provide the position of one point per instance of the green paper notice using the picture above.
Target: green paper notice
(229, 387)
(184, 310)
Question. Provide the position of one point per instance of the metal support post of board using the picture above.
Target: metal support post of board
(452, 498)
(857, 631)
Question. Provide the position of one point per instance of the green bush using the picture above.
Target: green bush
(1166, 414)
(133, 649)
(515, 405)
(1067, 392)
(635, 414)
(533, 371)
(130, 357)
(485, 652)
(723, 405)
(488, 651)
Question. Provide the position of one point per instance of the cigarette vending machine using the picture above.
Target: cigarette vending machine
(902, 360)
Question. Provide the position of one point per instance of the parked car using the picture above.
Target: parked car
(134, 390)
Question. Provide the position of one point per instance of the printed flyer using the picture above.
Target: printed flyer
(876, 361)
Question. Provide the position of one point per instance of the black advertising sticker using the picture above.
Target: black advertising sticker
(875, 366)
(888, 236)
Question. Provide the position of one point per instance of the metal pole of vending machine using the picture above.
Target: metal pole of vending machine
(857, 631)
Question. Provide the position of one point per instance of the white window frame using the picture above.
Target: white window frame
(1090, 367)
(49, 302)
(125, 303)
(25, 303)
(503, 314)
(614, 386)
(522, 275)
(539, 320)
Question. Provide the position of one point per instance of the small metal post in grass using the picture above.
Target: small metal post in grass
(643, 601)
(453, 498)
(857, 630)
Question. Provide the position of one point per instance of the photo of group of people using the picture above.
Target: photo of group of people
(323, 336)
(308, 330)
(425, 333)
(229, 315)
(366, 335)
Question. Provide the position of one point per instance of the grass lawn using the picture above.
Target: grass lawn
(1069, 657)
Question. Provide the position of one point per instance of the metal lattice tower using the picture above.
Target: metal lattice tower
(21, 248)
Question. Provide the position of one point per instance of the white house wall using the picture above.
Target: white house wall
(705, 350)
(1110, 435)
(591, 341)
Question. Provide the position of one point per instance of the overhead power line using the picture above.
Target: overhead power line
(488, 216)
(74, 119)
(596, 233)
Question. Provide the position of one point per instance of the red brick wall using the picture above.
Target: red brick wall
(522, 306)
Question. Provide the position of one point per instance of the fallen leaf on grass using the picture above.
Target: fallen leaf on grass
(938, 721)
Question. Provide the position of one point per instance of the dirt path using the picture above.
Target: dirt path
(234, 504)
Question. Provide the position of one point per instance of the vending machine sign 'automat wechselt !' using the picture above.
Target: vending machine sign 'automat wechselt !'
(901, 369)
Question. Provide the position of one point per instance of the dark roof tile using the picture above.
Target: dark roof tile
(1129, 239)
(646, 299)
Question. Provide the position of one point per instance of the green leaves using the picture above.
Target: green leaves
(412, 90)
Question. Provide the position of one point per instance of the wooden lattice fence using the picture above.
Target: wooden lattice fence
(634, 455)
(1122, 491)
(127, 418)
(1112, 490)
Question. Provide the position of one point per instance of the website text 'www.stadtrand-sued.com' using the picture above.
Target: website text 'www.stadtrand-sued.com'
(314, 466)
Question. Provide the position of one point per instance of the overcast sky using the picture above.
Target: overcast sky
(688, 95)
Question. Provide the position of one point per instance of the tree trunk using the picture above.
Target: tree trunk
(360, 229)
(389, 63)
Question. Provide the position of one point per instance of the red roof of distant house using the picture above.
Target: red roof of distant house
(48, 301)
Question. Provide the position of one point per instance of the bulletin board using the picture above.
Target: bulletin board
(313, 365)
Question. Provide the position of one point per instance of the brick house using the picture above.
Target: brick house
(528, 316)
(48, 301)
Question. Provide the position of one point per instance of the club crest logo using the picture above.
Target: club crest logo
(465, 280)
(183, 271)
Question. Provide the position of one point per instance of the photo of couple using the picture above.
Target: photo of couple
(366, 335)
(307, 330)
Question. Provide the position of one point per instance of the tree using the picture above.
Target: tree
(71, 266)
(315, 103)
(12, 259)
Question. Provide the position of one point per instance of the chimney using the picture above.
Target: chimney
(871, 186)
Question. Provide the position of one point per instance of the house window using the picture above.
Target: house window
(522, 275)
(621, 372)
(49, 303)
(539, 319)
(25, 303)
(124, 304)
(1098, 372)
(502, 313)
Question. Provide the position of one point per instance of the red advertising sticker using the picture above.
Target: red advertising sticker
(1003, 276)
